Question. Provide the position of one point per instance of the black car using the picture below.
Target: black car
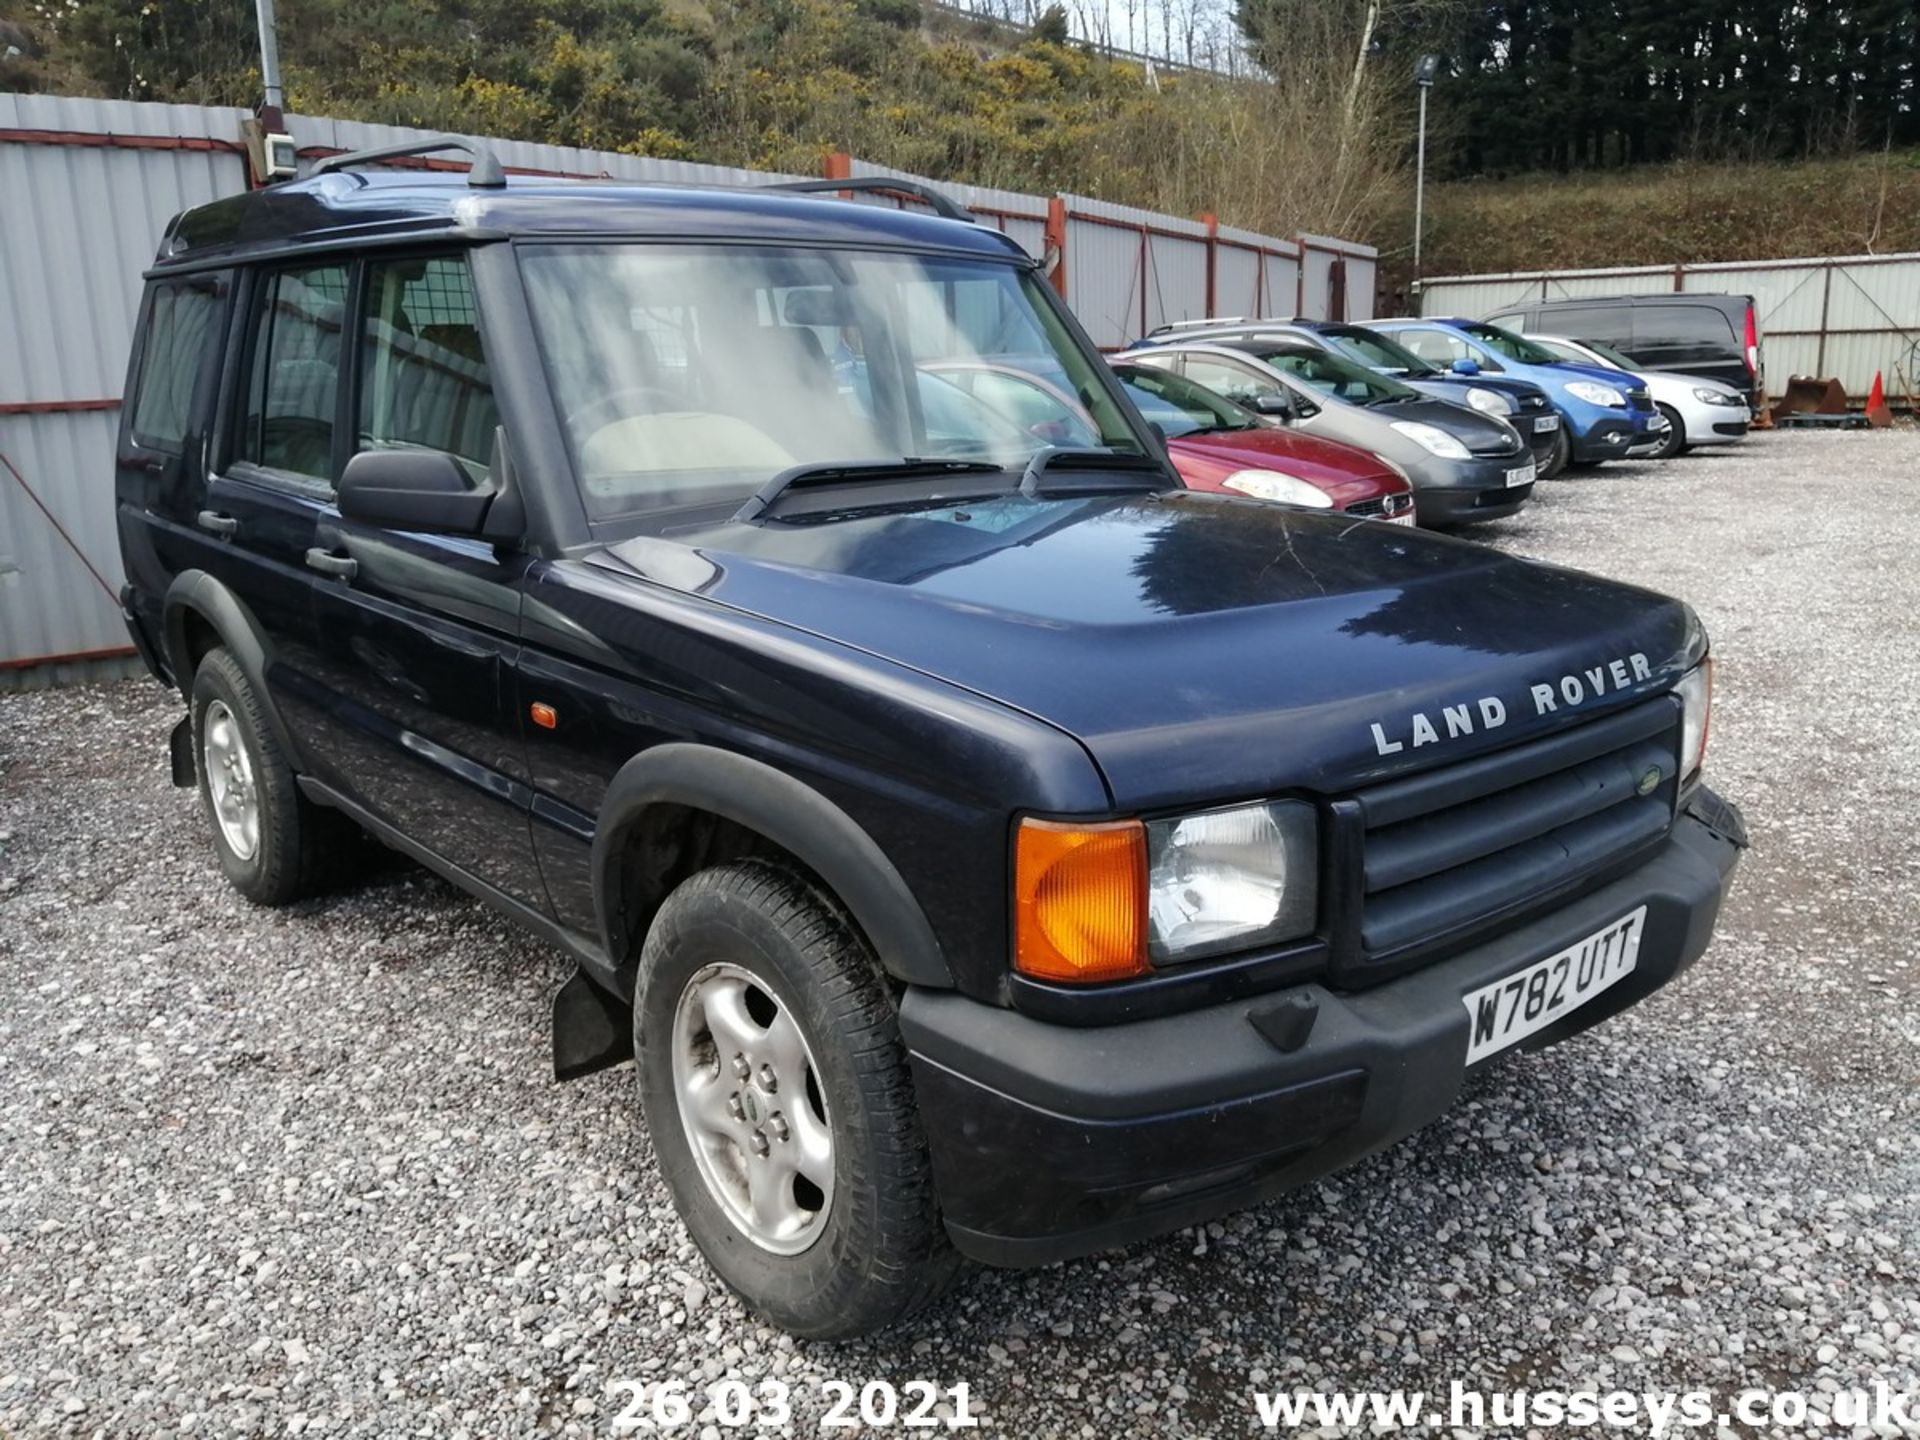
(1716, 337)
(1520, 403)
(984, 846)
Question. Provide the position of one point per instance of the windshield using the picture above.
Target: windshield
(1506, 343)
(1332, 374)
(1179, 406)
(690, 376)
(1368, 347)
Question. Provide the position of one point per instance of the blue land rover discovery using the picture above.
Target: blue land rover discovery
(984, 846)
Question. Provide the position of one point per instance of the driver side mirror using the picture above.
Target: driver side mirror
(426, 491)
(1464, 366)
(1274, 405)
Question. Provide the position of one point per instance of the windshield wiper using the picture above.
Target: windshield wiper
(1077, 458)
(824, 473)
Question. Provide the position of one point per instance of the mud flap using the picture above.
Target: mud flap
(180, 753)
(591, 1030)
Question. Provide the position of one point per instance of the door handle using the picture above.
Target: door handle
(328, 563)
(218, 524)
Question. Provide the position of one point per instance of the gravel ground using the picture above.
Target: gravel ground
(305, 1171)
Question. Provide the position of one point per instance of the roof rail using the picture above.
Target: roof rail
(485, 173)
(941, 205)
(1207, 324)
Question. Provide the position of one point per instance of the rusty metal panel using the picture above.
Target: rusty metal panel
(1281, 287)
(1236, 280)
(1316, 289)
(1127, 266)
(1363, 278)
(49, 603)
(81, 220)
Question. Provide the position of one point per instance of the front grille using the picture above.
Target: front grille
(1381, 506)
(1455, 851)
(1533, 402)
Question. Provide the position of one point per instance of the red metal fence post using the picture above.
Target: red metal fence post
(1056, 243)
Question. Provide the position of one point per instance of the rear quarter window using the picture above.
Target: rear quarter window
(182, 321)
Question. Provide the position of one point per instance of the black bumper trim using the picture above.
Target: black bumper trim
(1050, 1142)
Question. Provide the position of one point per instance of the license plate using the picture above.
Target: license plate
(1406, 519)
(1520, 475)
(1508, 1011)
(1542, 424)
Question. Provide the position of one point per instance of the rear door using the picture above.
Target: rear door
(276, 466)
(419, 633)
(159, 475)
(1694, 338)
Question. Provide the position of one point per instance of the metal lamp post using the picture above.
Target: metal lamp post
(1423, 76)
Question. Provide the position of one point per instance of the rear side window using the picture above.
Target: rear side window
(293, 381)
(1609, 324)
(423, 373)
(182, 321)
(1701, 328)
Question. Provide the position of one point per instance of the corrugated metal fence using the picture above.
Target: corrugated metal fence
(87, 186)
(1848, 316)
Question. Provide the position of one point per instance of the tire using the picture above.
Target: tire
(292, 848)
(1676, 441)
(856, 1245)
(1557, 454)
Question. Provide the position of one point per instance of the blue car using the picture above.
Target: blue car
(1608, 414)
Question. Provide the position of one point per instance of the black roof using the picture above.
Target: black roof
(367, 207)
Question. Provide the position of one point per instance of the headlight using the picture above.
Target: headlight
(1490, 402)
(1096, 901)
(1717, 397)
(1230, 879)
(1432, 439)
(1696, 710)
(1595, 393)
(1277, 485)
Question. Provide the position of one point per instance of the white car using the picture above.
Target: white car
(1697, 411)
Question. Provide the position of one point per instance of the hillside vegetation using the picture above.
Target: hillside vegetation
(764, 83)
(1657, 215)
(1321, 143)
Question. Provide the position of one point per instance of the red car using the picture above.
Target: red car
(1217, 445)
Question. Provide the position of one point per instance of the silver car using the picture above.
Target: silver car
(1697, 411)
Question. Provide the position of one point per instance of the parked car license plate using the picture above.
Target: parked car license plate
(1542, 424)
(1508, 1011)
(1520, 475)
(1405, 518)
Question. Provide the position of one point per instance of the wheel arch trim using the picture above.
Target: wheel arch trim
(196, 593)
(784, 810)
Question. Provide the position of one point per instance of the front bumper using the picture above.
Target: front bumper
(1051, 1141)
(1461, 492)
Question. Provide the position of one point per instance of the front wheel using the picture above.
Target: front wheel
(1676, 441)
(775, 1087)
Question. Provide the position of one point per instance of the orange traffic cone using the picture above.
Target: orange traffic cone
(1878, 415)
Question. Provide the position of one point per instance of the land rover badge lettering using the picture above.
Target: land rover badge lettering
(1490, 712)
